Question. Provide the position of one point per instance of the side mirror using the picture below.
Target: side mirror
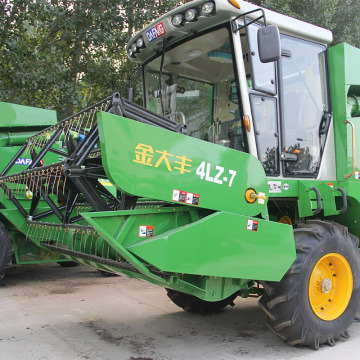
(269, 43)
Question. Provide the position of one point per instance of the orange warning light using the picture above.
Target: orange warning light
(234, 3)
(247, 122)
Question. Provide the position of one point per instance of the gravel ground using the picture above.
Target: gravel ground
(49, 312)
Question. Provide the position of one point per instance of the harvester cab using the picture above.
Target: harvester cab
(226, 183)
(225, 81)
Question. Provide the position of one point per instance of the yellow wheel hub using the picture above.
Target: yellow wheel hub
(330, 286)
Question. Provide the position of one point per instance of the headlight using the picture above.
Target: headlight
(207, 8)
(134, 48)
(130, 53)
(177, 20)
(140, 42)
(190, 15)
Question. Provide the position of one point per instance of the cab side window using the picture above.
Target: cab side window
(305, 102)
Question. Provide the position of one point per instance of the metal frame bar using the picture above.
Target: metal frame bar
(80, 173)
(46, 148)
(14, 200)
(235, 26)
(13, 160)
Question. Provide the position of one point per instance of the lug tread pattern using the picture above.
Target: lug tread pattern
(282, 304)
(193, 304)
(267, 311)
(268, 288)
(6, 250)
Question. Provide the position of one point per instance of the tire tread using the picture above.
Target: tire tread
(281, 300)
(6, 250)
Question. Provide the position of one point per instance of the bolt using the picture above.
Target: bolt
(326, 286)
(334, 275)
(330, 300)
(322, 308)
(330, 264)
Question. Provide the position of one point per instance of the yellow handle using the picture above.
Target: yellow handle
(251, 196)
(257, 196)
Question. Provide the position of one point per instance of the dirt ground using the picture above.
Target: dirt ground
(49, 312)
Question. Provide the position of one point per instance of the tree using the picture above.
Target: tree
(335, 15)
(68, 54)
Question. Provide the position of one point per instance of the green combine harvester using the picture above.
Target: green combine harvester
(240, 175)
(17, 123)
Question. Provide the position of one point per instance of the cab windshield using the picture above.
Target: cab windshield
(196, 86)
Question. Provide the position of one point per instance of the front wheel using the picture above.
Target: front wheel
(6, 250)
(193, 304)
(317, 299)
(107, 273)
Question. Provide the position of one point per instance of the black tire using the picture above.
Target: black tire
(107, 273)
(68, 263)
(6, 250)
(287, 303)
(195, 305)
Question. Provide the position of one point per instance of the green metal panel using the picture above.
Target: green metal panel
(351, 218)
(220, 245)
(328, 194)
(168, 163)
(13, 115)
(344, 62)
(26, 252)
(7, 153)
(306, 197)
(304, 200)
(120, 228)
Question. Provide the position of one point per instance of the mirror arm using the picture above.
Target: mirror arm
(236, 27)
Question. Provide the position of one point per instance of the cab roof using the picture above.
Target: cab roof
(162, 28)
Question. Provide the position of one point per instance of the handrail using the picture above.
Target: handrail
(344, 199)
(235, 27)
(353, 149)
(318, 201)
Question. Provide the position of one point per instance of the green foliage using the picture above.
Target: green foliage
(68, 54)
(336, 15)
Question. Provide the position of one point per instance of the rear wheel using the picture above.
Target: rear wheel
(195, 305)
(6, 250)
(317, 299)
(68, 263)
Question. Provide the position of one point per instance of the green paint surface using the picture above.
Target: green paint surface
(217, 175)
(344, 61)
(13, 115)
(220, 244)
